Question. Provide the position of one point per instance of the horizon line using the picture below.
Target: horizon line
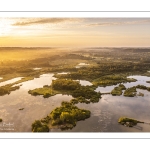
(74, 46)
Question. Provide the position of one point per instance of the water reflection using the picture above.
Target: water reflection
(37, 68)
(63, 73)
(141, 80)
(45, 79)
(10, 81)
(84, 82)
(81, 65)
(35, 107)
(104, 114)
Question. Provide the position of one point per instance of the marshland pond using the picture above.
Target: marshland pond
(74, 90)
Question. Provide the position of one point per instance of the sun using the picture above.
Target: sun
(5, 26)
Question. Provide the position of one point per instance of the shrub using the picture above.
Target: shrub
(37, 126)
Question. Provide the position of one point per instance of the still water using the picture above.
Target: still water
(81, 65)
(10, 81)
(63, 73)
(37, 68)
(104, 114)
(84, 82)
(34, 107)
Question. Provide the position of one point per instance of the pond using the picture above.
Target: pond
(84, 82)
(34, 107)
(63, 73)
(104, 114)
(37, 68)
(44, 79)
(81, 65)
(140, 80)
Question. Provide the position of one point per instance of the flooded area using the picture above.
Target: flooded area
(45, 79)
(84, 82)
(37, 68)
(35, 107)
(63, 73)
(10, 81)
(82, 65)
(104, 114)
(141, 80)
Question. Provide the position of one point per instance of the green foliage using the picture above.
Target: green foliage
(86, 92)
(112, 80)
(45, 91)
(63, 84)
(118, 90)
(1, 120)
(56, 122)
(80, 100)
(37, 126)
(122, 87)
(82, 93)
(130, 92)
(45, 120)
(25, 70)
(67, 115)
(7, 89)
(143, 87)
(148, 88)
(4, 90)
(148, 81)
(21, 109)
(128, 121)
(76, 101)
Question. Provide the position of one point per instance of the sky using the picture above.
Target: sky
(75, 32)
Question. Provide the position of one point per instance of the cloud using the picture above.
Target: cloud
(118, 23)
(44, 21)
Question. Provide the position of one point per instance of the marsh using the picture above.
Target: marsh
(95, 79)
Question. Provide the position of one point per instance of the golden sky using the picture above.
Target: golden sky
(47, 32)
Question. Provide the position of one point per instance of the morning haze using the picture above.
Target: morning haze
(41, 32)
(74, 74)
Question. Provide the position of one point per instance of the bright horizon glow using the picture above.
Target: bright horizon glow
(74, 32)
